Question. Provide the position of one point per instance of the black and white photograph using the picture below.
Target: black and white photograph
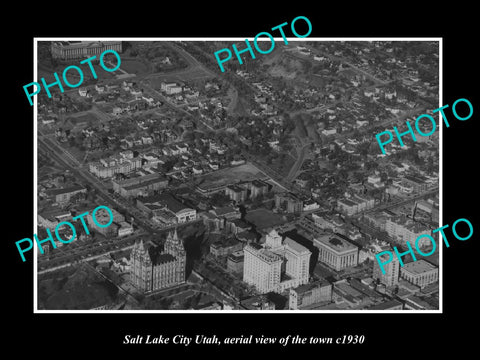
(260, 188)
(193, 180)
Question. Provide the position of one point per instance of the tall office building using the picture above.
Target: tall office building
(261, 268)
(276, 266)
(392, 271)
(152, 269)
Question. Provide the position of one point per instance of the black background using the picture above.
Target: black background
(56, 335)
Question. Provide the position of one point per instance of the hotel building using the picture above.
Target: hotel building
(262, 268)
(276, 266)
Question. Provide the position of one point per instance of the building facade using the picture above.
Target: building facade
(336, 252)
(235, 262)
(392, 271)
(63, 196)
(140, 185)
(262, 268)
(163, 206)
(236, 193)
(288, 202)
(153, 270)
(257, 188)
(420, 273)
(355, 204)
(106, 168)
(71, 50)
(403, 230)
(278, 265)
(309, 294)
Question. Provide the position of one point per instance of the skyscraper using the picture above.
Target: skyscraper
(153, 269)
(276, 266)
(392, 271)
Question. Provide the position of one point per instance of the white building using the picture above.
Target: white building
(404, 230)
(336, 252)
(392, 271)
(293, 260)
(261, 268)
(420, 273)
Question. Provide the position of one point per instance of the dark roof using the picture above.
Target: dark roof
(386, 305)
(259, 183)
(310, 286)
(65, 190)
(158, 257)
(165, 199)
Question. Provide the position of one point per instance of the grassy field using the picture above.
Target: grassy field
(134, 66)
(188, 74)
(84, 117)
(263, 218)
(228, 176)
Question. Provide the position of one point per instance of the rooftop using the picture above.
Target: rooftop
(259, 183)
(83, 44)
(225, 210)
(307, 287)
(347, 202)
(64, 190)
(300, 249)
(264, 254)
(335, 243)
(386, 305)
(418, 267)
(167, 200)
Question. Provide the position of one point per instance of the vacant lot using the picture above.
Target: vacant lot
(263, 218)
(85, 117)
(228, 176)
(134, 67)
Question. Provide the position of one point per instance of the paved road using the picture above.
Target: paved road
(74, 166)
(298, 163)
(388, 206)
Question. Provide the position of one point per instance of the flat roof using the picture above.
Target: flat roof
(335, 243)
(259, 183)
(64, 190)
(296, 246)
(264, 254)
(144, 183)
(225, 210)
(347, 202)
(418, 267)
(307, 287)
(386, 305)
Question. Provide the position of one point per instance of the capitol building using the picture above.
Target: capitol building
(71, 50)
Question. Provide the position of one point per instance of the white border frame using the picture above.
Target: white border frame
(219, 312)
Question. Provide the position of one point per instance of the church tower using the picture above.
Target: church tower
(174, 246)
(141, 267)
